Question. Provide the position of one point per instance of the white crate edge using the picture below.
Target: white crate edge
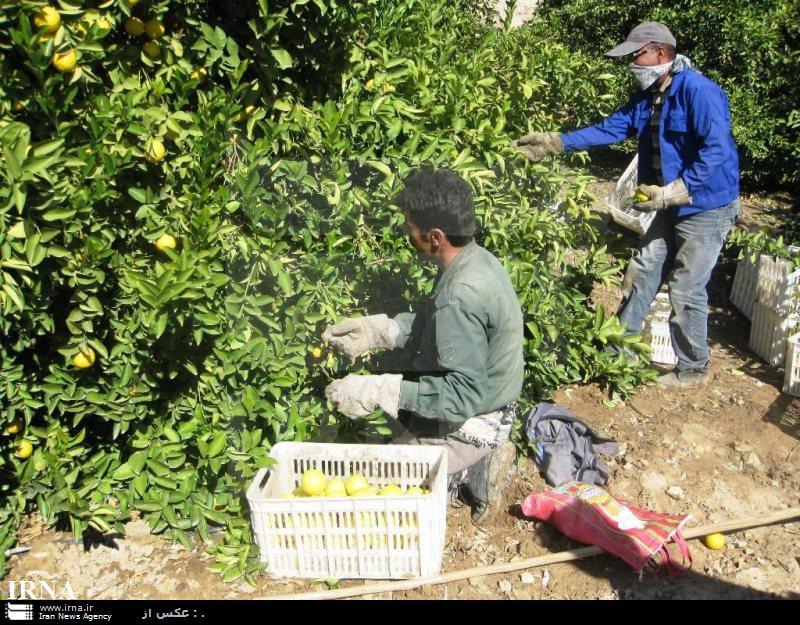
(661, 344)
(769, 333)
(637, 221)
(743, 290)
(323, 550)
(777, 287)
(791, 380)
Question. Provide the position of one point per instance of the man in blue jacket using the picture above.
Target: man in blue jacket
(688, 169)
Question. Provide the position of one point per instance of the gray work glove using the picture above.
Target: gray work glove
(673, 194)
(355, 336)
(358, 395)
(536, 145)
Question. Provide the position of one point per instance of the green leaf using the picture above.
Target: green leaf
(283, 58)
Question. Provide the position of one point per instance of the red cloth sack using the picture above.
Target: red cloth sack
(590, 515)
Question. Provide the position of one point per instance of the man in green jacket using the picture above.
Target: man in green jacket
(465, 345)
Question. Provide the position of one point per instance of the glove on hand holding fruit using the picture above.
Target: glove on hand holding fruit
(356, 336)
(536, 145)
(358, 395)
(660, 198)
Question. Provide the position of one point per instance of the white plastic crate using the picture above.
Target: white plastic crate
(661, 344)
(769, 333)
(351, 537)
(743, 291)
(791, 380)
(778, 286)
(622, 212)
(657, 329)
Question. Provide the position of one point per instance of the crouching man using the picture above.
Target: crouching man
(464, 344)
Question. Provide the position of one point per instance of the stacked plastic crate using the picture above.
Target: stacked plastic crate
(657, 324)
(743, 292)
(775, 311)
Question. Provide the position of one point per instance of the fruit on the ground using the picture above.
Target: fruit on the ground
(166, 241)
(354, 483)
(154, 28)
(313, 482)
(24, 450)
(84, 358)
(714, 541)
(134, 26)
(65, 61)
(48, 19)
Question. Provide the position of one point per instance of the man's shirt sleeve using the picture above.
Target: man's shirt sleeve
(454, 391)
(615, 128)
(406, 322)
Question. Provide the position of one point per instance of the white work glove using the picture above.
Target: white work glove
(673, 194)
(358, 395)
(355, 336)
(536, 145)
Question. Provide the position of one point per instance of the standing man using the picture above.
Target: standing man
(465, 345)
(689, 170)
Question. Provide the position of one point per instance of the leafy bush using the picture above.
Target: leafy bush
(177, 229)
(751, 49)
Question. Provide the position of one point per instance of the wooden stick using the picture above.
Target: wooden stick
(553, 558)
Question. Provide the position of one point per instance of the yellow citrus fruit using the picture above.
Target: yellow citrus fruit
(152, 49)
(390, 490)
(317, 352)
(166, 241)
(65, 61)
(335, 488)
(24, 450)
(414, 491)
(362, 492)
(156, 151)
(642, 197)
(84, 358)
(17, 106)
(313, 482)
(714, 541)
(154, 28)
(49, 19)
(354, 483)
(247, 112)
(15, 427)
(134, 26)
(298, 492)
(199, 74)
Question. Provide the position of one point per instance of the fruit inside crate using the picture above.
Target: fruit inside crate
(365, 536)
(618, 201)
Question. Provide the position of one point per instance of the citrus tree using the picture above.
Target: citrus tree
(193, 191)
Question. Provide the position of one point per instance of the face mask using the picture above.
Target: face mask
(646, 75)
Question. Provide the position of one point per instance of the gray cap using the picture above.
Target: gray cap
(649, 32)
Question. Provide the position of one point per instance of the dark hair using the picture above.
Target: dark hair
(440, 198)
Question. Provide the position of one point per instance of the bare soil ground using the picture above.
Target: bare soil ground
(733, 449)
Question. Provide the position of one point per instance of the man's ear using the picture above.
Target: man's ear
(437, 236)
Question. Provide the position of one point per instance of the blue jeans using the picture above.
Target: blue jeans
(682, 252)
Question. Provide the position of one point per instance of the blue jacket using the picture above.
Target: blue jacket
(696, 140)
